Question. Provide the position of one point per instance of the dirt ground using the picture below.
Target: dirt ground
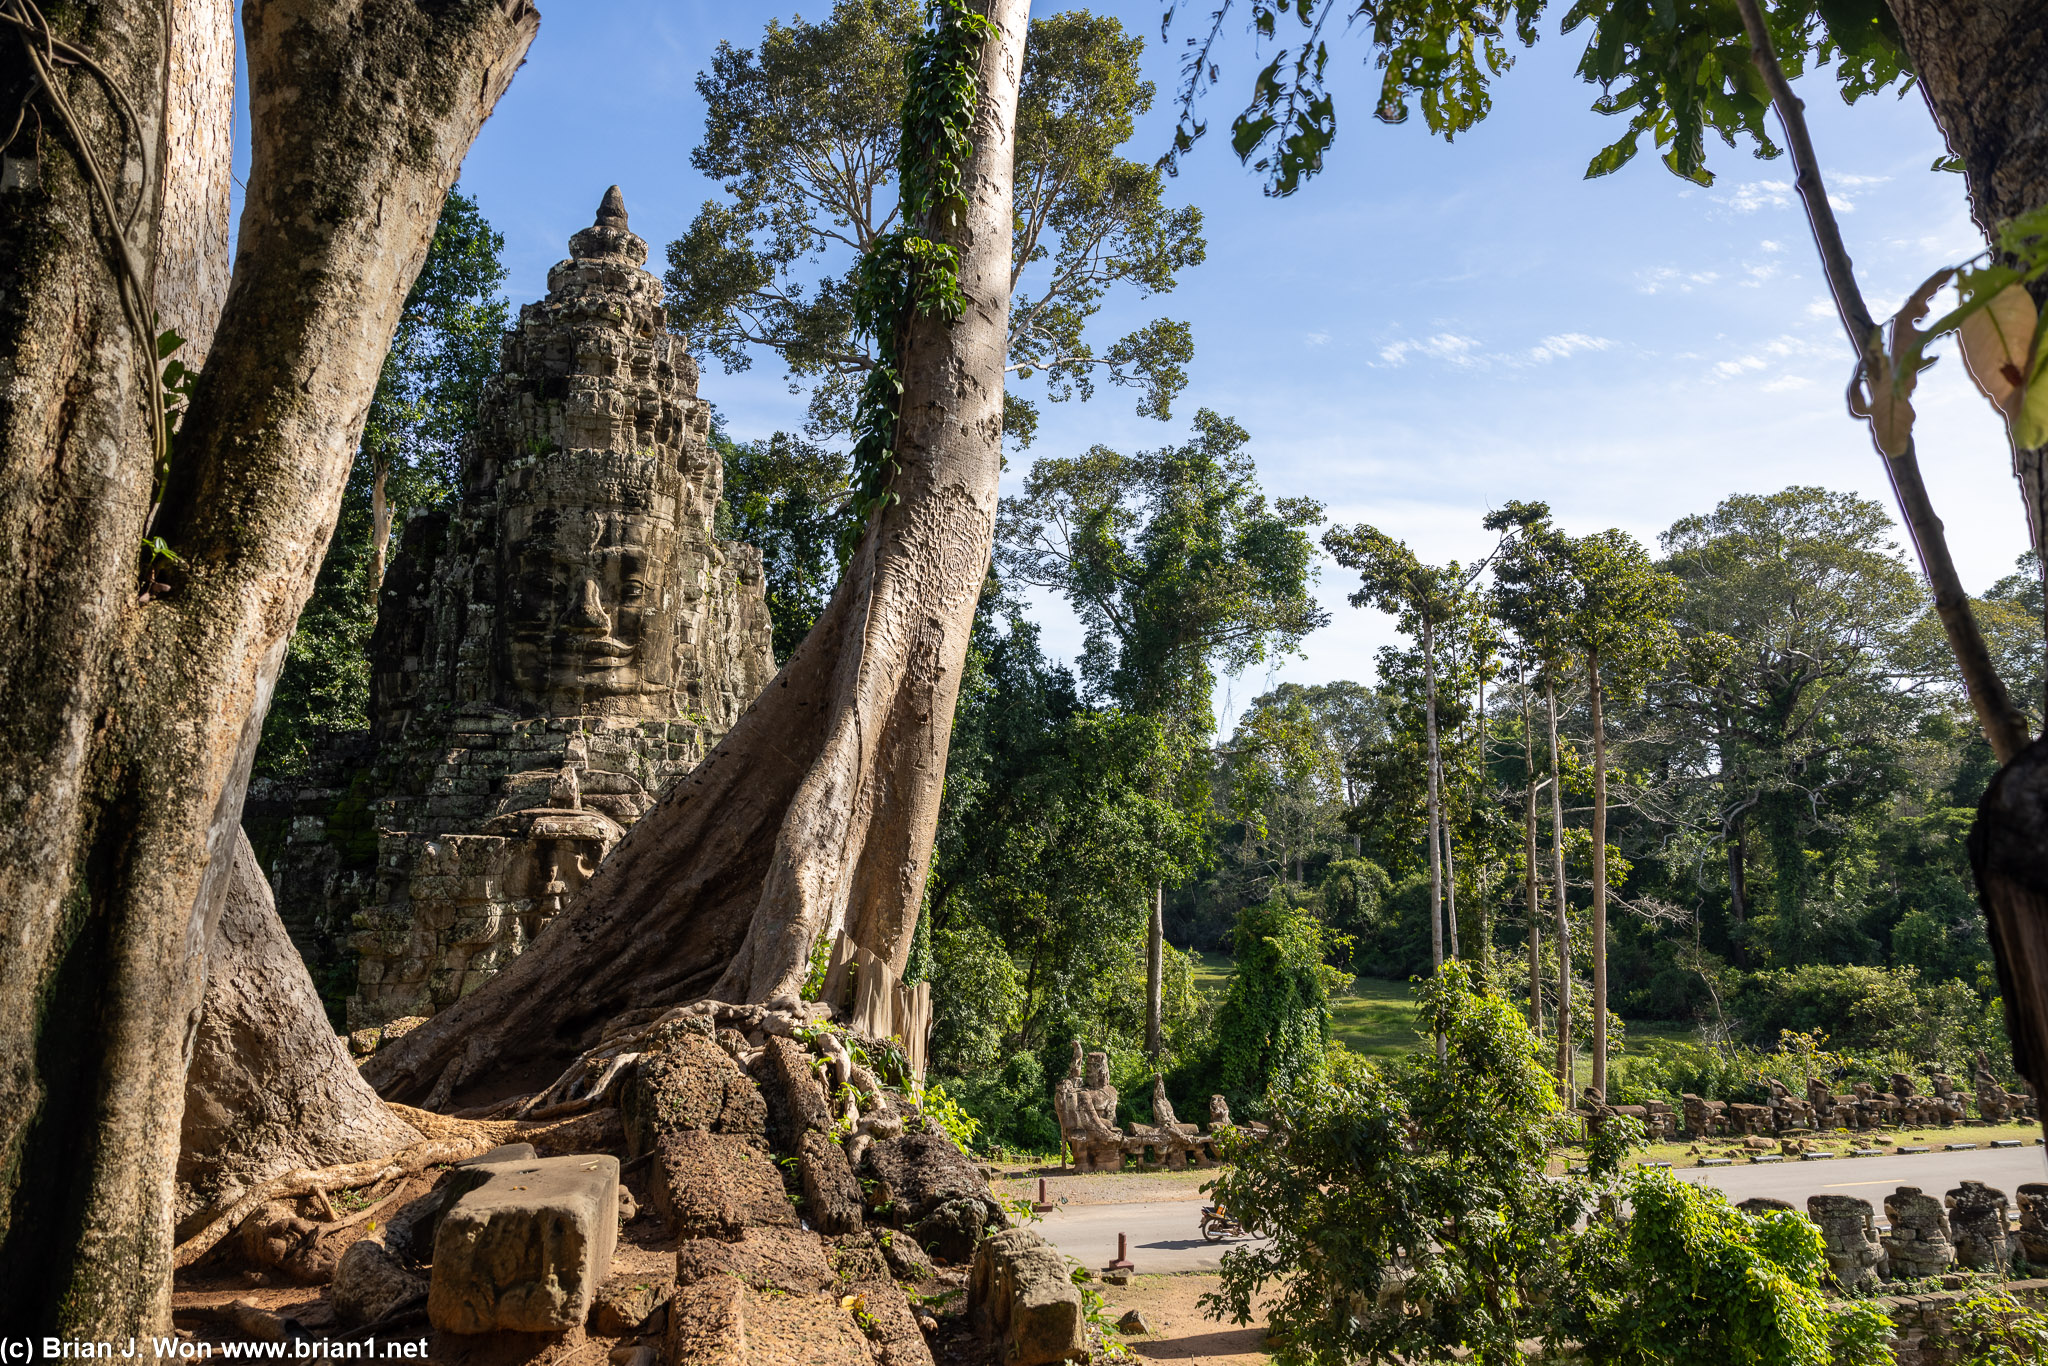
(1180, 1331)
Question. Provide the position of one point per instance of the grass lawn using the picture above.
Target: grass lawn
(1376, 1017)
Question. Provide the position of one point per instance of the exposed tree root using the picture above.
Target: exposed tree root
(448, 1140)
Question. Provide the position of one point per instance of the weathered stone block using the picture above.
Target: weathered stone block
(625, 1302)
(913, 1175)
(524, 1245)
(718, 1186)
(831, 1195)
(689, 1083)
(1021, 1301)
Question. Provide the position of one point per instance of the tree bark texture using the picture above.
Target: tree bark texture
(819, 807)
(1599, 875)
(1564, 928)
(270, 1087)
(192, 258)
(128, 721)
(2012, 885)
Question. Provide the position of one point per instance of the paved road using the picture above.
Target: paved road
(1162, 1234)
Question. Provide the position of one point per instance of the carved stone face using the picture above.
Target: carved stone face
(587, 612)
(1098, 1071)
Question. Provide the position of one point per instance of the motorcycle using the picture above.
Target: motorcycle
(1217, 1224)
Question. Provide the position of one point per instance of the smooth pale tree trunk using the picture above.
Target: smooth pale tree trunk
(270, 1087)
(1155, 970)
(1450, 881)
(190, 282)
(1599, 877)
(1479, 879)
(820, 806)
(127, 722)
(1529, 880)
(380, 519)
(1436, 865)
(1564, 929)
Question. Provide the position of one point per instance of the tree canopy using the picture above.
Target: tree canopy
(802, 133)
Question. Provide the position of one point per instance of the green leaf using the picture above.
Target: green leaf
(167, 341)
(1951, 162)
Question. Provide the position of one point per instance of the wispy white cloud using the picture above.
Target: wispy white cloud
(1561, 345)
(1469, 353)
(1663, 279)
(1448, 347)
(1786, 383)
(1315, 338)
(1759, 194)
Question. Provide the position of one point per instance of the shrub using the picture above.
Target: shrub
(1274, 1025)
(1689, 1280)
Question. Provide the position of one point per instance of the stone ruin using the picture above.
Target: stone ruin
(1864, 1108)
(552, 650)
(2033, 1231)
(1976, 1216)
(1085, 1103)
(1919, 1243)
(1848, 1228)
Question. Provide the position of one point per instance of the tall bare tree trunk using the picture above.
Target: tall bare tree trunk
(127, 720)
(1599, 877)
(819, 807)
(1436, 865)
(1530, 890)
(1155, 970)
(1564, 928)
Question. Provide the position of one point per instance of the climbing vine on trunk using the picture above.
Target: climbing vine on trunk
(908, 273)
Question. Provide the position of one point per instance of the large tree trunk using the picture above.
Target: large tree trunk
(127, 720)
(1980, 65)
(819, 807)
(2012, 884)
(1599, 876)
(270, 1087)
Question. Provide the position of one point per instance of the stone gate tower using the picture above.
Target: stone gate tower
(551, 651)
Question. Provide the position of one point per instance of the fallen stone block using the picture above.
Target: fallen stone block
(794, 1095)
(831, 1195)
(624, 1303)
(953, 1230)
(370, 1283)
(914, 1174)
(717, 1186)
(878, 1305)
(523, 1246)
(906, 1258)
(789, 1260)
(689, 1082)
(1021, 1301)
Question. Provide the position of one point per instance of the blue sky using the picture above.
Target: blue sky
(1425, 331)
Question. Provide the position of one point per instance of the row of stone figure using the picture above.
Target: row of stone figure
(1865, 1107)
(1086, 1103)
(1927, 1236)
